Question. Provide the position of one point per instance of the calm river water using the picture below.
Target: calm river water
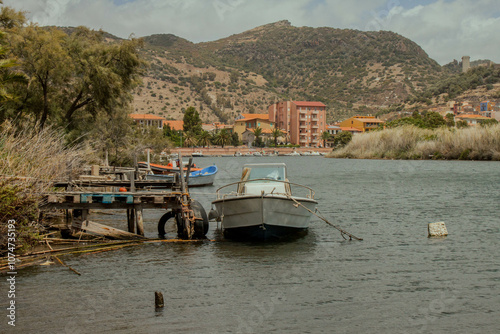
(395, 281)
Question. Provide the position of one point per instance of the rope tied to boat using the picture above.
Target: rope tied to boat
(343, 233)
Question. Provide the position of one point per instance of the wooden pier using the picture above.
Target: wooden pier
(191, 218)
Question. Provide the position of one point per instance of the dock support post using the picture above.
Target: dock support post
(69, 218)
(131, 220)
(139, 221)
(131, 176)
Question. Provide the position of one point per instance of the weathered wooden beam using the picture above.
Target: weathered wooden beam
(106, 231)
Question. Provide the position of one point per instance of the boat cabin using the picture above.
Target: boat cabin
(265, 176)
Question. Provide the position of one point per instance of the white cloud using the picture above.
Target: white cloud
(445, 29)
(448, 30)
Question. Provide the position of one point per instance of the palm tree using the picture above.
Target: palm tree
(257, 132)
(276, 133)
(204, 138)
(325, 136)
(223, 138)
(190, 139)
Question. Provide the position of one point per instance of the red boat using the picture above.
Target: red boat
(168, 169)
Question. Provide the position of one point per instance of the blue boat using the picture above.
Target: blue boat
(197, 178)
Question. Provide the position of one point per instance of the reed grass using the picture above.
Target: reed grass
(410, 142)
(30, 160)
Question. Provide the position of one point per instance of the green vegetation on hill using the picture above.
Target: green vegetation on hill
(351, 71)
(454, 85)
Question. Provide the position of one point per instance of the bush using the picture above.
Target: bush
(31, 160)
(410, 142)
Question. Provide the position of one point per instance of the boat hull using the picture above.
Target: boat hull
(263, 217)
(204, 177)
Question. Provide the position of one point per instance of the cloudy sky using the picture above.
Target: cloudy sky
(445, 29)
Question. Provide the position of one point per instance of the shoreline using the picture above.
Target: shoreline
(231, 150)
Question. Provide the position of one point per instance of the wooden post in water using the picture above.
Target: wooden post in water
(69, 218)
(188, 170)
(131, 176)
(181, 176)
(139, 221)
(131, 220)
(159, 299)
(149, 160)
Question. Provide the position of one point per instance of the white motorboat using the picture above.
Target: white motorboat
(261, 205)
(293, 154)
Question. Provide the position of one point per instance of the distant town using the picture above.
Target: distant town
(303, 123)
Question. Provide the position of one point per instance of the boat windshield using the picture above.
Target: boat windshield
(268, 172)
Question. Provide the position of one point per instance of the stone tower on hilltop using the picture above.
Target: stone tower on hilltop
(465, 63)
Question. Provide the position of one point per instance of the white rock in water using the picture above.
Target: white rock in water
(437, 229)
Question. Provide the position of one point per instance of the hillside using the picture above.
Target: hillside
(350, 71)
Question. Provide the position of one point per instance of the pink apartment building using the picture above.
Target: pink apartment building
(302, 121)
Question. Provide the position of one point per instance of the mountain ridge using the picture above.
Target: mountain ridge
(351, 71)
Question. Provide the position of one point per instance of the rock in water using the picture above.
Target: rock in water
(437, 229)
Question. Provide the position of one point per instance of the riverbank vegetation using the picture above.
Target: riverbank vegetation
(411, 142)
(31, 159)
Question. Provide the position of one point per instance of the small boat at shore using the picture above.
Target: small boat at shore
(198, 178)
(164, 169)
(262, 206)
(293, 154)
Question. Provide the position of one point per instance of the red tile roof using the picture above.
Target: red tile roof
(175, 125)
(308, 104)
(254, 116)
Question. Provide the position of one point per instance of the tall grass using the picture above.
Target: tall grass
(30, 160)
(409, 142)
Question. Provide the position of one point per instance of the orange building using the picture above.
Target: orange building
(250, 122)
(302, 121)
(471, 119)
(362, 123)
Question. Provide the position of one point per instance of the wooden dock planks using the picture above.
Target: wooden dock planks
(98, 200)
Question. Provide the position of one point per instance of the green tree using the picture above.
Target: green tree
(343, 138)
(324, 137)
(8, 77)
(10, 18)
(257, 132)
(222, 138)
(235, 141)
(450, 120)
(461, 124)
(204, 138)
(276, 133)
(433, 120)
(192, 121)
(234, 76)
(78, 73)
(190, 139)
(48, 67)
(488, 122)
(104, 74)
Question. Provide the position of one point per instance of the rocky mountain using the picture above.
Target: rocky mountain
(350, 71)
